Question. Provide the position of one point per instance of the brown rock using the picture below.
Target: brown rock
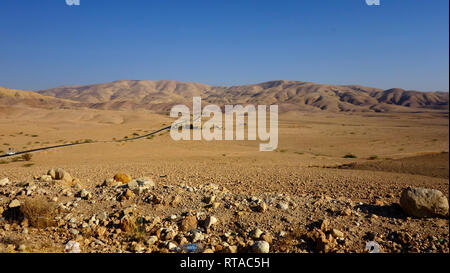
(346, 212)
(101, 231)
(325, 225)
(123, 178)
(176, 200)
(128, 194)
(420, 202)
(337, 233)
(320, 241)
(189, 223)
(261, 207)
(60, 174)
(127, 224)
(267, 237)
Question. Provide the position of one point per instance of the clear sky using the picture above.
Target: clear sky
(401, 43)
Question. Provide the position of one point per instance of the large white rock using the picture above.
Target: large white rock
(211, 220)
(261, 247)
(14, 203)
(60, 174)
(4, 181)
(421, 202)
(140, 185)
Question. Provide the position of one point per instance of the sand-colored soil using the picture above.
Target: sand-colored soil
(308, 171)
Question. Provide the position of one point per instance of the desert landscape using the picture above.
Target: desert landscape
(346, 157)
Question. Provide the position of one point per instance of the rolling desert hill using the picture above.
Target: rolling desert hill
(290, 95)
(345, 169)
(18, 98)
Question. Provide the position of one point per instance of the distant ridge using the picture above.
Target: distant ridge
(289, 95)
(9, 97)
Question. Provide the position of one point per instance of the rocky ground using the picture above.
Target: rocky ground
(54, 212)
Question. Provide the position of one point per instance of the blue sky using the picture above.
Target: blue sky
(401, 43)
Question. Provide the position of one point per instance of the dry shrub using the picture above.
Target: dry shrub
(38, 212)
(289, 242)
(27, 157)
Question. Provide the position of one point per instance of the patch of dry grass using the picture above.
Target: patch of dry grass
(38, 212)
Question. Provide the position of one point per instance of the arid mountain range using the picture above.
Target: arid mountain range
(159, 96)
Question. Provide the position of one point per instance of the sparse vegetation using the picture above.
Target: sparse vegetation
(39, 212)
(138, 232)
(16, 159)
(27, 157)
(350, 155)
(373, 157)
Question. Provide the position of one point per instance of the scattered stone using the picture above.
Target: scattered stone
(283, 205)
(45, 178)
(138, 248)
(141, 185)
(101, 231)
(152, 240)
(267, 237)
(128, 194)
(127, 224)
(14, 203)
(85, 194)
(188, 223)
(4, 181)
(197, 236)
(337, 233)
(232, 249)
(176, 200)
(261, 247)
(210, 199)
(172, 246)
(325, 225)
(109, 182)
(74, 231)
(123, 178)
(60, 174)
(421, 202)
(21, 247)
(211, 220)
(261, 207)
(256, 233)
(320, 241)
(73, 247)
(346, 212)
